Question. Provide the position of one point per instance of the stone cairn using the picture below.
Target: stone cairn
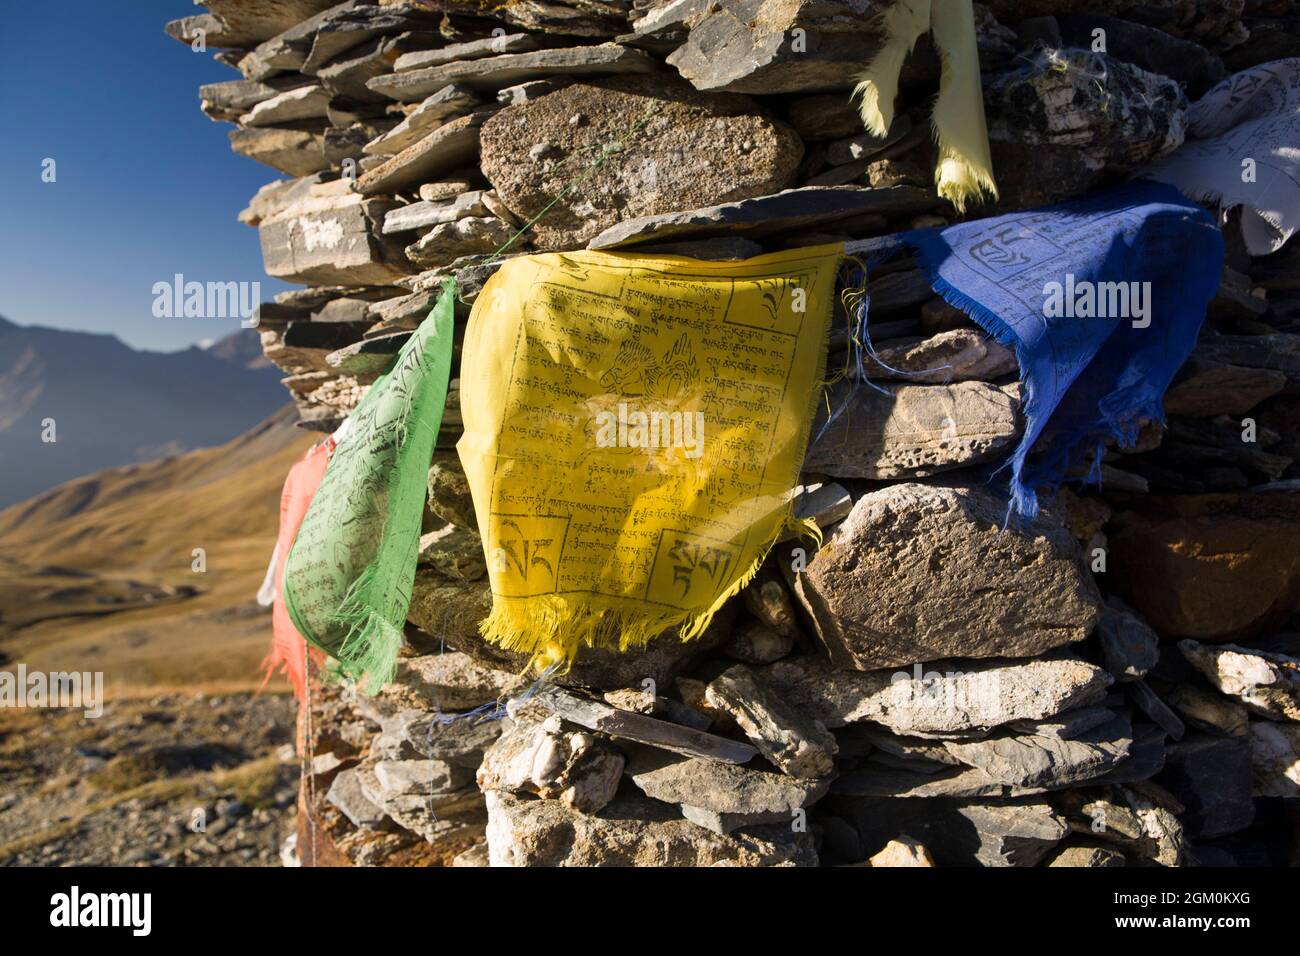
(1114, 685)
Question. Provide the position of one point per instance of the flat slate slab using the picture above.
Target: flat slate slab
(765, 215)
(495, 72)
(647, 730)
(448, 147)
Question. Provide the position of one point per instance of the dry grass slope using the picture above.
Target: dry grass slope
(96, 574)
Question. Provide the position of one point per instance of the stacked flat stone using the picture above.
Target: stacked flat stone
(1116, 683)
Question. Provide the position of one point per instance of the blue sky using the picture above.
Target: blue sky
(147, 185)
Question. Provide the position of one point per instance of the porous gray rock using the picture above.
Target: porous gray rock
(921, 572)
(539, 755)
(689, 149)
(467, 236)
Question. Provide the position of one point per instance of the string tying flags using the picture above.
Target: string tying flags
(964, 170)
(348, 577)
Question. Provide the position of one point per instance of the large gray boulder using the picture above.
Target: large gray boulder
(918, 572)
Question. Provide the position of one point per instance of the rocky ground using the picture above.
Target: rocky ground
(177, 780)
(1116, 683)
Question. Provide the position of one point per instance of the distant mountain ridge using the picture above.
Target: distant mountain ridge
(112, 405)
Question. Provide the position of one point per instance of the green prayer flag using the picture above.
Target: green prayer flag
(347, 582)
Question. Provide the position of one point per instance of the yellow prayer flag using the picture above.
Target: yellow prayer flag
(634, 430)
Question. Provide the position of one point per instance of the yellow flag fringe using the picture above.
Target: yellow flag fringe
(964, 169)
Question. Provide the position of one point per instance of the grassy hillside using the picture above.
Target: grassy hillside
(96, 574)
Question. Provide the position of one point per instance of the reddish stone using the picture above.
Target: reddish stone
(1210, 567)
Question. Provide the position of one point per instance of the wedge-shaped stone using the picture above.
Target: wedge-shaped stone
(915, 430)
(248, 22)
(1267, 684)
(721, 797)
(918, 573)
(470, 50)
(332, 240)
(799, 745)
(289, 49)
(291, 151)
(231, 99)
(436, 110)
(303, 103)
(421, 215)
(877, 779)
(446, 148)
